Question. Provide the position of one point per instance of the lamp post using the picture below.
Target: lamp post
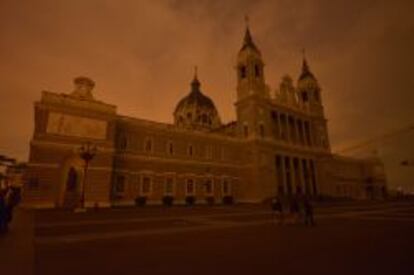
(407, 163)
(86, 152)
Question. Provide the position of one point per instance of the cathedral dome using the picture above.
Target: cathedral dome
(196, 110)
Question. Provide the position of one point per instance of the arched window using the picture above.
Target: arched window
(257, 70)
(305, 97)
(243, 72)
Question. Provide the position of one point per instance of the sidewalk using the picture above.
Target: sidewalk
(17, 246)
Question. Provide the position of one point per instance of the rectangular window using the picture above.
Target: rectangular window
(190, 188)
(171, 148)
(226, 188)
(148, 145)
(146, 185)
(209, 187)
(169, 186)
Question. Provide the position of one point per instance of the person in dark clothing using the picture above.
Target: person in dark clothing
(308, 209)
(277, 210)
(294, 210)
(3, 213)
(12, 199)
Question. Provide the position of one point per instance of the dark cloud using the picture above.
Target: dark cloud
(139, 52)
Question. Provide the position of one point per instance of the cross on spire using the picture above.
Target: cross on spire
(195, 84)
(248, 40)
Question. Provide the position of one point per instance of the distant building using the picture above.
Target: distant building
(278, 145)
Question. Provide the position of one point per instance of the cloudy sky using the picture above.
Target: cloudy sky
(142, 53)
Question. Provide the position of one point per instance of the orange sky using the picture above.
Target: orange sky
(142, 53)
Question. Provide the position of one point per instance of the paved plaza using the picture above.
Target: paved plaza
(349, 238)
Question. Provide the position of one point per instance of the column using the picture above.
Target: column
(288, 171)
(296, 131)
(293, 175)
(288, 136)
(313, 177)
(306, 176)
(307, 133)
(301, 175)
(283, 166)
(301, 134)
(278, 126)
(296, 172)
(279, 174)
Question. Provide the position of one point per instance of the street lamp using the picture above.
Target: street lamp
(86, 152)
(407, 163)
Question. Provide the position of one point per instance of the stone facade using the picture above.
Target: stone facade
(278, 145)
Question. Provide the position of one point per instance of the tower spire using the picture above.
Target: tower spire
(248, 40)
(305, 67)
(195, 84)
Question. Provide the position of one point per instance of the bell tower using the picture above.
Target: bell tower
(250, 69)
(309, 92)
(252, 92)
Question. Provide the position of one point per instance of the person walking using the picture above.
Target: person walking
(294, 210)
(308, 209)
(3, 213)
(277, 210)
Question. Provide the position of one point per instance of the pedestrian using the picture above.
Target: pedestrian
(3, 211)
(277, 210)
(294, 210)
(308, 209)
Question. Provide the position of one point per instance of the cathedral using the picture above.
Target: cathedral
(277, 146)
